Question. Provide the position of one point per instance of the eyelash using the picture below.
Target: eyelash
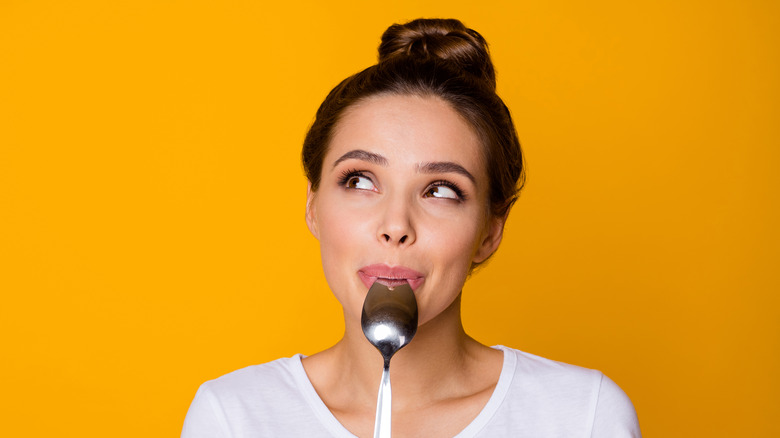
(350, 173)
(347, 174)
(449, 185)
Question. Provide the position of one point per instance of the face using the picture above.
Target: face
(403, 197)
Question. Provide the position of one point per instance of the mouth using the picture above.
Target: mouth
(390, 276)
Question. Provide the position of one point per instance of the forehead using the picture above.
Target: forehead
(405, 127)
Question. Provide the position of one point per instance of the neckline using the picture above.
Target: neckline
(333, 425)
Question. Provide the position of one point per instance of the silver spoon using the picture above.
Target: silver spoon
(389, 322)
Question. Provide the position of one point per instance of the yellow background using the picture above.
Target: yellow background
(151, 201)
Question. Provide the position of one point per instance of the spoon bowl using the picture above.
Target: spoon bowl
(389, 321)
(389, 318)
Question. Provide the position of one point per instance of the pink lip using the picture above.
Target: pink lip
(390, 276)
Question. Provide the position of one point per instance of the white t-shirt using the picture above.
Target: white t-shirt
(534, 398)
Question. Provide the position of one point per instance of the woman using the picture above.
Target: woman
(413, 166)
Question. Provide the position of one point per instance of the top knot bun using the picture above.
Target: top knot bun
(440, 39)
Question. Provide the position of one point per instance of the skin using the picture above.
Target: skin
(415, 195)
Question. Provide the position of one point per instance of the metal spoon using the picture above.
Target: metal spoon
(389, 322)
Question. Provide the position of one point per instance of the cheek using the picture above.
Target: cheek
(454, 238)
(450, 248)
(335, 236)
(343, 237)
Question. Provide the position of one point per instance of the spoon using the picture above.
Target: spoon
(389, 322)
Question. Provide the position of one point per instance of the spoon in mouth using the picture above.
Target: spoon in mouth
(389, 322)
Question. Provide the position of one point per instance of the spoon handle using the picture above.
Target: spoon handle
(383, 406)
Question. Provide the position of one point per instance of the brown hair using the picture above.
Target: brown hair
(432, 57)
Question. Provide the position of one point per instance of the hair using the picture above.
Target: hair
(440, 58)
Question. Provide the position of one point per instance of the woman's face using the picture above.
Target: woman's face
(403, 197)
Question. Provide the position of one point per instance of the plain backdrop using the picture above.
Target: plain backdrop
(152, 199)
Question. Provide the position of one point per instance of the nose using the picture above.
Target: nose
(396, 226)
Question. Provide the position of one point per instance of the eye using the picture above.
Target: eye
(353, 179)
(444, 189)
(360, 182)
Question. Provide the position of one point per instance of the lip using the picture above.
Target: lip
(390, 276)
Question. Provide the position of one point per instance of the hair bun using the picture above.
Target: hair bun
(443, 39)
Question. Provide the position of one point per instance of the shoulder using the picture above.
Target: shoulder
(254, 398)
(255, 380)
(615, 415)
(541, 372)
(565, 394)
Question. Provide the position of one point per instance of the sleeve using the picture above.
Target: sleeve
(615, 416)
(204, 419)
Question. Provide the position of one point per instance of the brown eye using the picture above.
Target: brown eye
(360, 182)
(441, 192)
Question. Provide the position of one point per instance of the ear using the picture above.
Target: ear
(311, 216)
(493, 235)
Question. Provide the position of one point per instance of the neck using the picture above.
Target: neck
(432, 367)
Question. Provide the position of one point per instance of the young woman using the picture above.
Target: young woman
(413, 166)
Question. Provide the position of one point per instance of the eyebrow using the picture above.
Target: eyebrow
(445, 167)
(360, 154)
(428, 167)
